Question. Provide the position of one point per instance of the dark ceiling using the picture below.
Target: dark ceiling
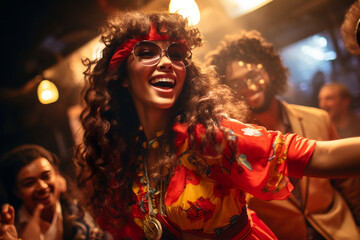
(37, 34)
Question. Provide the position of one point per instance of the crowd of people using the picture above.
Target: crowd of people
(176, 150)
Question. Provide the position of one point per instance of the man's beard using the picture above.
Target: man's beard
(269, 95)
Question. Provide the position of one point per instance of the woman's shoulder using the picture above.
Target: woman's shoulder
(233, 125)
(245, 129)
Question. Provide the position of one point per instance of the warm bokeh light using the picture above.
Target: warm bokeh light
(187, 8)
(47, 92)
(236, 8)
(97, 50)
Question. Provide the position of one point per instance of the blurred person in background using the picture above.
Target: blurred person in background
(335, 98)
(39, 205)
(316, 209)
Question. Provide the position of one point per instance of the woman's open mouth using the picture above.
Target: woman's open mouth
(163, 82)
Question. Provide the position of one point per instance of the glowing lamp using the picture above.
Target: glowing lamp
(47, 92)
(187, 8)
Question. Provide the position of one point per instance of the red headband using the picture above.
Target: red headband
(124, 50)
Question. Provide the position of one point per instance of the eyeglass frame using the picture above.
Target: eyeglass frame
(357, 33)
(161, 53)
(243, 82)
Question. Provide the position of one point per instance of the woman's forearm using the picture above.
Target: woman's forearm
(338, 158)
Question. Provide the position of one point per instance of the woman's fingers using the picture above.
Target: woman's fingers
(37, 212)
(7, 214)
(9, 232)
(32, 230)
(7, 227)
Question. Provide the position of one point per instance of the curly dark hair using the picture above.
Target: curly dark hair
(250, 47)
(348, 28)
(107, 158)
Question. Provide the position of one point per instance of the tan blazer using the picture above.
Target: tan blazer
(323, 206)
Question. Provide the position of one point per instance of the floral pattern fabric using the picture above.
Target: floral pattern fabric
(206, 193)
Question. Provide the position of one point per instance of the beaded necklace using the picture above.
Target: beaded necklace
(152, 226)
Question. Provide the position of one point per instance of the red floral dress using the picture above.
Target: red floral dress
(206, 194)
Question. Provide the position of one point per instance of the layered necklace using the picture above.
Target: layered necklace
(152, 226)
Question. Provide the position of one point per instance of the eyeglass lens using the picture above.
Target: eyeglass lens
(149, 53)
(252, 77)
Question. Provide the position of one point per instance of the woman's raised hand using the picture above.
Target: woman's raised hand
(7, 227)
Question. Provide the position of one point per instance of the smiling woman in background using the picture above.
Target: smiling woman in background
(37, 192)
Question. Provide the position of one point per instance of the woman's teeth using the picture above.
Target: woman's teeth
(163, 82)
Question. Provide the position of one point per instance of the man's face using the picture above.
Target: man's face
(252, 82)
(331, 101)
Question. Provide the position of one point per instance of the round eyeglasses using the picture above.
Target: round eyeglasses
(148, 53)
(252, 80)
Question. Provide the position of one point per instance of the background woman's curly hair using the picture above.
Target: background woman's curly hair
(348, 28)
(107, 158)
(250, 47)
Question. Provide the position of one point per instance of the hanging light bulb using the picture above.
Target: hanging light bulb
(187, 8)
(47, 92)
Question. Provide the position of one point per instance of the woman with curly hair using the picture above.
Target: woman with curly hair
(163, 157)
(39, 199)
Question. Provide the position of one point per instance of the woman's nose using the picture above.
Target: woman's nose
(165, 62)
(41, 184)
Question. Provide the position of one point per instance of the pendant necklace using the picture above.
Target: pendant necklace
(152, 226)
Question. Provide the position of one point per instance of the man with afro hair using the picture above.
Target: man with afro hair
(317, 209)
